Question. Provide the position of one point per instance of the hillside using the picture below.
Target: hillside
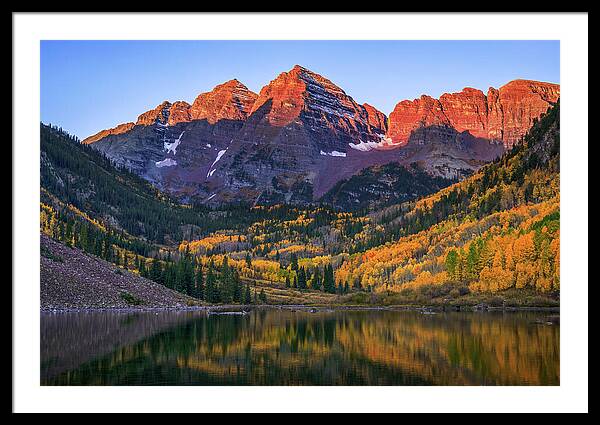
(71, 279)
(494, 232)
(527, 174)
(382, 185)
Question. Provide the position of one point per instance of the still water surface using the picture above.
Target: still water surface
(280, 347)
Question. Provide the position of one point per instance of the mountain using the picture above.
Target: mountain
(302, 135)
(496, 232)
(528, 174)
(79, 185)
(297, 134)
(503, 115)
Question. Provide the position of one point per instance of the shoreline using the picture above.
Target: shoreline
(303, 308)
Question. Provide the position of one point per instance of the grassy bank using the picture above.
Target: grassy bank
(448, 296)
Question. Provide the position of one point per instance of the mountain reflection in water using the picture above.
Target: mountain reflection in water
(281, 347)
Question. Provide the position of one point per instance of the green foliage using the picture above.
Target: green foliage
(302, 279)
(451, 263)
(130, 299)
(247, 295)
(329, 280)
(391, 182)
(262, 296)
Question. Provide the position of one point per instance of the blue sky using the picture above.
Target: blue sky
(87, 86)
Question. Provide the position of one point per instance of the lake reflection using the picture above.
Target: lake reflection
(279, 347)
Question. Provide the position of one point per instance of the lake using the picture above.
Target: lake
(283, 347)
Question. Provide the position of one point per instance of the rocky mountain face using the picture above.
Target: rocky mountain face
(381, 185)
(231, 101)
(504, 115)
(299, 130)
(302, 134)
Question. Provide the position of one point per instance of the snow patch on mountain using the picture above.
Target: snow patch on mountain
(167, 162)
(385, 140)
(334, 153)
(172, 147)
(364, 146)
(219, 156)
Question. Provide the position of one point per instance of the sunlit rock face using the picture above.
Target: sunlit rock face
(522, 101)
(504, 115)
(121, 128)
(409, 115)
(376, 119)
(302, 134)
(231, 101)
(300, 129)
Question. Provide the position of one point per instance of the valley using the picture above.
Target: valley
(491, 238)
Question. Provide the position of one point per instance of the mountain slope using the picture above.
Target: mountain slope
(528, 173)
(73, 279)
(78, 184)
(76, 177)
(496, 231)
(382, 185)
(300, 126)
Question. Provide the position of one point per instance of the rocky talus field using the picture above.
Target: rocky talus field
(71, 279)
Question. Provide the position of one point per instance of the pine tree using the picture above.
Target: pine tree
(263, 296)
(237, 288)
(212, 293)
(316, 280)
(329, 280)
(301, 279)
(294, 262)
(155, 270)
(452, 264)
(471, 271)
(247, 295)
(199, 293)
(142, 268)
